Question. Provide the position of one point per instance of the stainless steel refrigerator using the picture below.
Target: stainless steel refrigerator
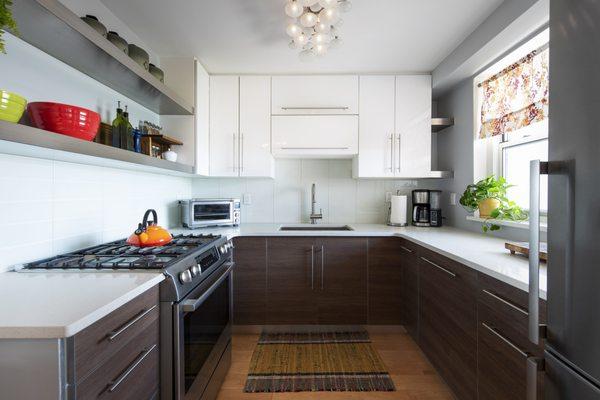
(571, 365)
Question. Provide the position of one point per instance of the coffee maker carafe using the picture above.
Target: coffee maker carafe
(421, 207)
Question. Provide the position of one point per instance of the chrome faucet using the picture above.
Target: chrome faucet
(314, 217)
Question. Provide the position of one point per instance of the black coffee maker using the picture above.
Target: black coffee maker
(421, 207)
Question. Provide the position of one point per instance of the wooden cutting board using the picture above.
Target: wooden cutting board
(523, 248)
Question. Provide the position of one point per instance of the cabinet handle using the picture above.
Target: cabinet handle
(242, 152)
(322, 266)
(314, 148)
(452, 274)
(114, 334)
(399, 137)
(508, 303)
(113, 385)
(406, 249)
(534, 366)
(315, 108)
(312, 267)
(505, 340)
(233, 152)
(392, 153)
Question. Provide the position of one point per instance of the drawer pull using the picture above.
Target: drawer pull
(314, 148)
(505, 340)
(114, 334)
(406, 249)
(508, 303)
(315, 108)
(115, 384)
(452, 274)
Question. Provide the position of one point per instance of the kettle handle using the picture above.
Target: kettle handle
(154, 218)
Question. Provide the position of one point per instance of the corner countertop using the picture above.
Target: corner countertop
(481, 252)
(53, 305)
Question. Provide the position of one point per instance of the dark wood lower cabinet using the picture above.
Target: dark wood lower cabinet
(385, 281)
(410, 288)
(250, 281)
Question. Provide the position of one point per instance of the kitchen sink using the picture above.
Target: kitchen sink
(309, 227)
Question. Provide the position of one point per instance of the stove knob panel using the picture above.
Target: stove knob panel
(195, 270)
(185, 276)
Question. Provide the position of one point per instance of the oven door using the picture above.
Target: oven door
(212, 213)
(202, 332)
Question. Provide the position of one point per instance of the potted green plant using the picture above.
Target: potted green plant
(489, 197)
(6, 21)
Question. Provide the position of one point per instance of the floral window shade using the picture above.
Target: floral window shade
(516, 96)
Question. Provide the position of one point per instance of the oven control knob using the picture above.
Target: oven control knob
(195, 269)
(185, 276)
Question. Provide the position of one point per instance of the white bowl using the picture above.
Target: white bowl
(170, 156)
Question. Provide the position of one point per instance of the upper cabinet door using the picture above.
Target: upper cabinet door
(306, 95)
(413, 125)
(376, 127)
(255, 158)
(224, 125)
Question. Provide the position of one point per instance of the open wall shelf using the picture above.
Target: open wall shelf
(439, 124)
(56, 30)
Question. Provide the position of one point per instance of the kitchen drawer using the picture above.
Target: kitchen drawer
(409, 248)
(314, 136)
(311, 94)
(97, 343)
(505, 309)
(130, 373)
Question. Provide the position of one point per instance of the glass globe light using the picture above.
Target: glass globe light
(320, 38)
(336, 42)
(320, 49)
(339, 22)
(293, 45)
(308, 19)
(345, 5)
(308, 3)
(329, 15)
(301, 39)
(307, 55)
(293, 9)
(293, 30)
(322, 27)
(316, 8)
(328, 3)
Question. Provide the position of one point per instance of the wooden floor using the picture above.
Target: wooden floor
(413, 375)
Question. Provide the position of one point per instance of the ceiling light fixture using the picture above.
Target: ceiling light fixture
(313, 25)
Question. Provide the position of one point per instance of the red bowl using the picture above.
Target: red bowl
(65, 119)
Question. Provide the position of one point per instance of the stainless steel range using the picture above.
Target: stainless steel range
(195, 311)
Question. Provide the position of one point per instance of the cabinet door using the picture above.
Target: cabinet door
(291, 281)
(224, 126)
(315, 136)
(342, 281)
(410, 288)
(413, 124)
(313, 94)
(448, 321)
(376, 127)
(385, 281)
(255, 127)
(250, 281)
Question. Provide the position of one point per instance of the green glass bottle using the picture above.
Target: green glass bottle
(116, 125)
(127, 140)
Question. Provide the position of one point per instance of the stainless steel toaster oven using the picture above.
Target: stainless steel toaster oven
(199, 213)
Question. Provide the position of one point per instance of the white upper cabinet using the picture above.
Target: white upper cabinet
(306, 95)
(255, 158)
(224, 125)
(240, 126)
(317, 136)
(376, 157)
(413, 125)
(395, 127)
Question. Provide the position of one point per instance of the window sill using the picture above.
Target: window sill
(512, 224)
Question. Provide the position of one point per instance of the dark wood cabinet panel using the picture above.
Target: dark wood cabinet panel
(342, 281)
(250, 281)
(410, 288)
(385, 281)
(291, 281)
(448, 321)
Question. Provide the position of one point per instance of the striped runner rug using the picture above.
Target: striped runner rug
(315, 362)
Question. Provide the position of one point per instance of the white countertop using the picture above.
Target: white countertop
(479, 251)
(47, 305)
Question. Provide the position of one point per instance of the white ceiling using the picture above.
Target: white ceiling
(248, 36)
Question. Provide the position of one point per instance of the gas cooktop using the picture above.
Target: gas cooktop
(120, 255)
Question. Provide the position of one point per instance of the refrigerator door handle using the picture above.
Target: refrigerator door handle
(536, 168)
(534, 366)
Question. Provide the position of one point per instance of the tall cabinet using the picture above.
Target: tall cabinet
(240, 126)
(395, 127)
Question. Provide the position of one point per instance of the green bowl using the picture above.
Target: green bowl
(12, 106)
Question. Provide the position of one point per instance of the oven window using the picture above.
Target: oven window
(202, 329)
(211, 212)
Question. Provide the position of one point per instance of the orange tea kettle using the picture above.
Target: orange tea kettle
(148, 233)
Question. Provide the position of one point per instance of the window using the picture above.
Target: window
(512, 118)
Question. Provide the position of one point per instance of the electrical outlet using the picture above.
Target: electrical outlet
(388, 197)
(247, 199)
(452, 199)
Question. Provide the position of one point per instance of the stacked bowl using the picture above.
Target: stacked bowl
(12, 106)
(65, 119)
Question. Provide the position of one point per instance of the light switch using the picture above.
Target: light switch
(452, 199)
(247, 199)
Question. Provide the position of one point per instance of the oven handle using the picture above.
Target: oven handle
(192, 304)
